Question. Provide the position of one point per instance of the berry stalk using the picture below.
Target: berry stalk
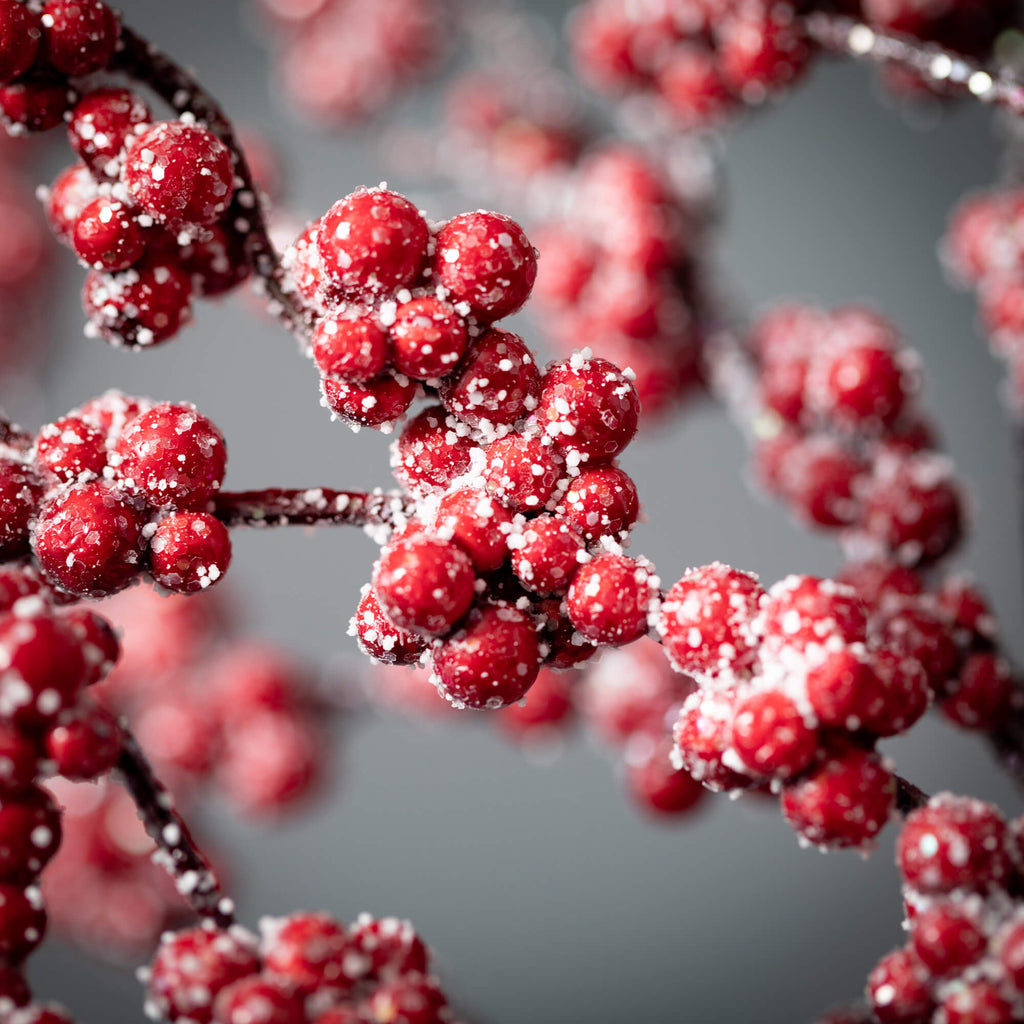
(314, 506)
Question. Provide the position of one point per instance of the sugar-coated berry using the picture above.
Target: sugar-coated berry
(771, 737)
(804, 610)
(107, 236)
(601, 502)
(84, 744)
(19, 759)
(430, 452)
(707, 621)
(981, 694)
(71, 449)
(491, 660)
(905, 693)
(259, 999)
(171, 456)
(102, 123)
(30, 833)
(485, 260)
(20, 33)
(22, 922)
(378, 403)
(979, 1002)
(761, 50)
(180, 174)
(546, 554)
(189, 551)
(702, 737)
(350, 348)
(36, 105)
(380, 638)
(522, 472)
(69, 194)
(310, 951)
(610, 599)
(588, 406)
(428, 338)
(99, 643)
(546, 709)
(659, 787)
(88, 540)
(425, 584)
(478, 524)
(898, 989)
(371, 242)
(947, 938)
(79, 36)
(391, 946)
(20, 492)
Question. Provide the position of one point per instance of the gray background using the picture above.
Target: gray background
(545, 894)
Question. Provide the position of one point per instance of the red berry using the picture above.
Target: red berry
(107, 236)
(216, 263)
(36, 105)
(380, 638)
(22, 922)
(99, 643)
(371, 242)
(547, 708)
(71, 449)
(702, 738)
(707, 621)
(85, 745)
(904, 694)
(431, 452)
(478, 524)
(1010, 947)
(819, 479)
(954, 843)
(69, 194)
(978, 240)
(380, 403)
(425, 584)
(659, 787)
(980, 697)
(113, 411)
(30, 833)
(692, 86)
(588, 406)
(102, 123)
(20, 33)
(846, 801)
(428, 338)
(258, 999)
(979, 1002)
(485, 260)
(350, 349)
(88, 540)
(191, 968)
(19, 761)
(898, 989)
(804, 610)
(20, 493)
(495, 384)
(179, 733)
(189, 551)
(391, 946)
(180, 174)
(522, 472)
(546, 554)
(79, 36)
(968, 608)
(947, 939)
(14, 990)
(879, 582)
(771, 737)
(760, 52)
(171, 456)
(601, 502)
(859, 384)
(139, 307)
(309, 951)
(491, 661)
(566, 647)
(610, 598)
(927, 638)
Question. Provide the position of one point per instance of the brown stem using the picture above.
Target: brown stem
(318, 506)
(177, 853)
(143, 62)
(908, 796)
(946, 70)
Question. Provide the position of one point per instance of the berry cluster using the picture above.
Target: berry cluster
(617, 271)
(964, 960)
(340, 61)
(304, 969)
(115, 488)
(843, 443)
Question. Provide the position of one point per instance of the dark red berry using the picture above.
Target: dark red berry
(20, 33)
(771, 737)
(427, 338)
(189, 551)
(30, 833)
(71, 449)
(102, 123)
(22, 922)
(20, 493)
(84, 744)
(79, 36)
(898, 989)
(547, 554)
(258, 999)
(350, 349)
(107, 236)
(379, 403)
(522, 472)
(36, 105)
(380, 638)
(431, 451)
(601, 502)
(478, 524)
(309, 951)
(610, 599)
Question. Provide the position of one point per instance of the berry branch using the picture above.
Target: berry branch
(317, 506)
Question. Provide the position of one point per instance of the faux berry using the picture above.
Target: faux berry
(88, 540)
(36, 105)
(20, 492)
(803, 610)
(20, 33)
(171, 456)
(256, 998)
(107, 236)
(702, 737)
(485, 260)
(588, 406)
(522, 472)
(980, 1002)
(861, 385)
(610, 599)
(905, 694)
(379, 403)
(72, 190)
(707, 621)
(391, 945)
(350, 349)
(1010, 947)
(189, 551)
(22, 922)
(771, 737)
(71, 449)
(898, 989)
(478, 524)
(546, 554)
(424, 585)
(79, 36)
(495, 384)
(427, 338)
(947, 939)
(601, 502)
(491, 661)
(431, 452)
(30, 833)
(372, 241)
(180, 174)
(19, 760)
(546, 709)
(411, 999)
(99, 643)
(309, 952)
(84, 744)
(981, 694)
(658, 787)
(101, 125)
(380, 638)
(216, 262)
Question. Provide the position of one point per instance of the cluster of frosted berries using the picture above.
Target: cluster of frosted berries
(341, 61)
(307, 968)
(697, 62)
(963, 962)
(843, 442)
(48, 726)
(213, 711)
(512, 555)
(617, 272)
(983, 250)
(113, 489)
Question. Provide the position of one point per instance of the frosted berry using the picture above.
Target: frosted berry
(703, 737)
(79, 36)
(430, 452)
(99, 643)
(69, 194)
(379, 403)
(101, 125)
(771, 737)
(84, 744)
(308, 951)
(760, 52)
(610, 599)
(424, 585)
(107, 236)
(20, 492)
(904, 690)
(863, 384)
(428, 338)
(802, 610)
(88, 540)
(601, 502)
(898, 989)
(485, 260)
(546, 554)
(180, 174)
(36, 105)
(391, 945)
(350, 349)
(372, 241)
(844, 689)
(979, 1002)
(22, 922)
(707, 621)
(478, 524)
(981, 694)
(947, 939)
(411, 999)
(545, 710)
(256, 998)
(189, 551)
(659, 787)
(522, 472)
(19, 760)
(71, 449)
(30, 833)
(172, 456)
(380, 638)
(491, 661)
(20, 33)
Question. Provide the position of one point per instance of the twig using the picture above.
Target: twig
(316, 506)
(908, 796)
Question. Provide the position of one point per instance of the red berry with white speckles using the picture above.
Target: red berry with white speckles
(410, 999)
(189, 551)
(803, 610)
(610, 599)
(30, 833)
(478, 524)
(391, 946)
(36, 105)
(20, 492)
(979, 1002)
(546, 554)
(22, 922)
(107, 236)
(522, 472)
(702, 737)
(69, 194)
(771, 737)
(259, 999)
(98, 639)
(85, 744)
(981, 694)
(378, 403)
(380, 638)
(350, 348)
(947, 938)
(20, 34)
(102, 123)
(427, 338)
(431, 451)
(601, 502)
(79, 36)
(71, 449)
(309, 951)
(659, 787)
(898, 989)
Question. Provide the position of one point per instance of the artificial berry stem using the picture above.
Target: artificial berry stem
(944, 69)
(908, 796)
(317, 506)
(178, 852)
(143, 62)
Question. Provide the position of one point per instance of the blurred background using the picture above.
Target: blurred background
(545, 894)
